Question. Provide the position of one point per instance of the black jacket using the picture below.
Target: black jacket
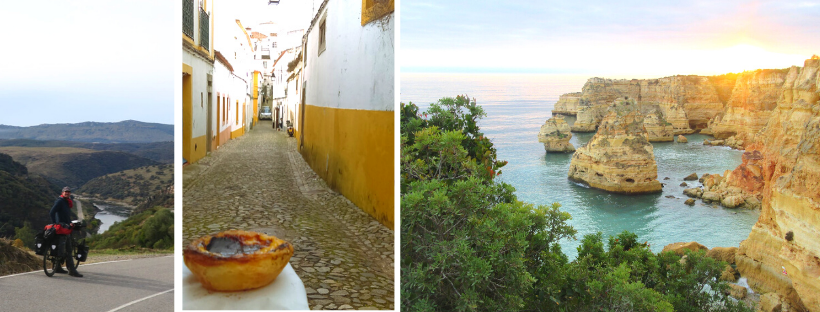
(60, 212)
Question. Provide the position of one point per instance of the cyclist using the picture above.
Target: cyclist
(61, 214)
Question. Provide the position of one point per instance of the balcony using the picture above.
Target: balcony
(204, 29)
(188, 18)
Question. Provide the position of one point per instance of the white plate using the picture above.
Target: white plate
(285, 293)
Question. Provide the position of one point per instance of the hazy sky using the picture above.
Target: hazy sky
(637, 38)
(88, 60)
(288, 14)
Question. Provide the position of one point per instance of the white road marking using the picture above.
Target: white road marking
(138, 300)
(40, 270)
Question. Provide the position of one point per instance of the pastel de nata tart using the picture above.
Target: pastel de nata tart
(237, 260)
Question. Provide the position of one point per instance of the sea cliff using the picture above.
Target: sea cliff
(753, 99)
(687, 102)
(782, 253)
(773, 114)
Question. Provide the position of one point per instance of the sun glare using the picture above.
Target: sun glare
(743, 57)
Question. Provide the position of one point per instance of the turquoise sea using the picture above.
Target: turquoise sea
(518, 104)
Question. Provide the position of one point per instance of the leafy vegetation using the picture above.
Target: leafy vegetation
(292, 64)
(468, 243)
(153, 228)
(23, 198)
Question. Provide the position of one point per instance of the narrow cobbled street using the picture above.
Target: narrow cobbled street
(259, 182)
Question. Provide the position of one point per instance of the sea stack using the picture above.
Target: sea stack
(657, 128)
(619, 158)
(555, 135)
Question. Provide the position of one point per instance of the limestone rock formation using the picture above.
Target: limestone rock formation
(567, 104)
(737, 291)
(679, 248)
(618, 158)
(597, 96)
(682, 139)
(690, 202)
(753, 99)
(711, 197)
(782, 164)
(657, 128)
(695, 192)
(732, 201)
(729, 274)
(588, 118)
(717, 190)
(685, 102)
(723, 254)
(555, 135)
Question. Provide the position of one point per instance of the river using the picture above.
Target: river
(109, 214)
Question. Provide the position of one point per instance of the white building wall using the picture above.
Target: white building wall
(199, 92)
(293, 100)
(366, 50)
(222, 89)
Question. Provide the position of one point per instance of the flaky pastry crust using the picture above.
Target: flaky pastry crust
(240, 271)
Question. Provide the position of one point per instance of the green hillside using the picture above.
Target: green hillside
(158, 151)
(133, 186)
(70, 166)
(128, 131)
(153, 228)
(23, 197)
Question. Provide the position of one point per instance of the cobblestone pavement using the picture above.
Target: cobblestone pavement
(259, 182)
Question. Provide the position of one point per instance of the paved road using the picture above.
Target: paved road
(132, 285)
(80, 214)
(259, 182)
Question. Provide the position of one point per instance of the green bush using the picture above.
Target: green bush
(152, 228)
(25, 234)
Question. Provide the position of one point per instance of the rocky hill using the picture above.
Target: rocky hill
(23, 197)
(69, 166)
(133, 186)
(129, 131)
(15, 260)
(158, 151)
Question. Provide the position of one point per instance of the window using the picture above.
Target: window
(322, 35)
(273, 45)
(237, 112)
(375, 9)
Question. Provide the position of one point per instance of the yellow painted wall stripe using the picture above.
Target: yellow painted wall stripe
(353, 151)
(187, 110)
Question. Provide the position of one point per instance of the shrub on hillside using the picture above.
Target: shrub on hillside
(152, 228)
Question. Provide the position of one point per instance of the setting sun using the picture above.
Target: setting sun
(743, 57)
